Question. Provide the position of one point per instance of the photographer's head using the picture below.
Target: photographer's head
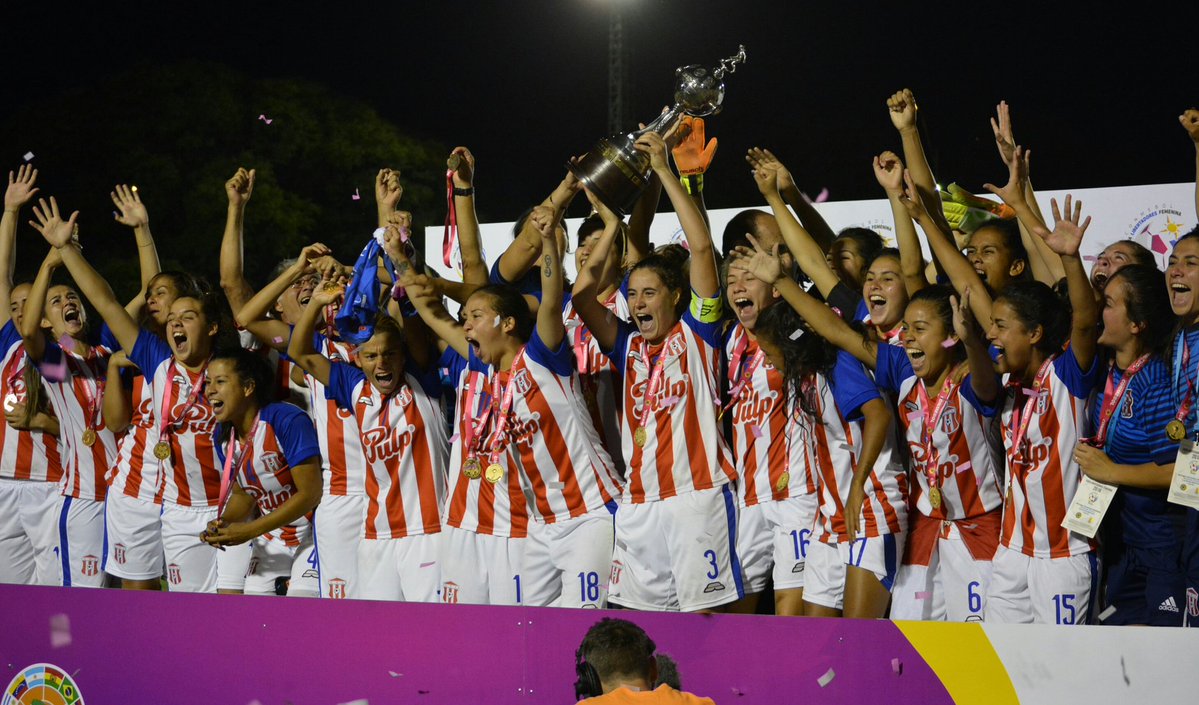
(614, 652)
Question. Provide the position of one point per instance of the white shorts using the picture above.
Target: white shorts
(1028, 590)
(271, 560)
(81, 542)
(827, 566)
(677, 554)
(191, 563)
(232, 565)
(952, 587)
(405, 570)
(339, 524)
(134, 529)
(773, 537)
(567, 563)
(29, 532)
(479, 569)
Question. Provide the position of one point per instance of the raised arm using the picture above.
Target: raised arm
(253, 314)
(132, 212)
(902, 108)
(19, 192)
(1046, 266)
(823, 320)
(388, 191)
(526, 247)
(983, 379)
(417, 336)
(889, 172)
(423, 294)
(238, 190)
(301, 349)
(474, 269)
(811, 220)
(35, 305)
(807, 252)
(642, 217)
(705, 279)
(1064, 240)
(61, 236)
(549, 314)
(598, 319)
(1190, 122)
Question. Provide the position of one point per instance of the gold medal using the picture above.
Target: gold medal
(783, 482)
(640, 436)
(162, 451)
(1176, 430)
(934, 497)
(89, 437)
(452, 163)
(472, 469)
(494, 473)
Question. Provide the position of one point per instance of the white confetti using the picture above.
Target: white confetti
(798, 332)
(1111, 609)
(827, 678)
(60, 631)
(28, 156)
(393, 674)
(497, 321)
(361, 701)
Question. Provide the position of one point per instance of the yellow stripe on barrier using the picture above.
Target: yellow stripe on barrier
(964, 660)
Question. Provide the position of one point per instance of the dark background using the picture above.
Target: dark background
(169, 99)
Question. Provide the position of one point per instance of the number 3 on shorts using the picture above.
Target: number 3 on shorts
(711, 556)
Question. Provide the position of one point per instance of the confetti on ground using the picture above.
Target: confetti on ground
(357, 196)
(827, 678)
(896, 666)
(393, 674)
(60, 631)
(948, 343)
(265, 119)
(28, 156)
(923, 595)
(1111, 609)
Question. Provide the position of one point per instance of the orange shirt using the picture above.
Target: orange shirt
(664, 695)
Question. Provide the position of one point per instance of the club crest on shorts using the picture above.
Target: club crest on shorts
(90, 565)
(337, 589)
(449, 593)
(1192, 602)
(173, 576)
(118, 553)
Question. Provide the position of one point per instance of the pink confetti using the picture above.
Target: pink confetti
(915, 416)
(1029, 392)
(669, 402)
(356, 196)
(963, 467)
(923, 595)
(453, 438)
(60, 631)
(827, 678)
(265, 119)
(948, 343)
(29, 156)
(426, 565)
(896, 666)
(278, 339)
(1089, 258)
(822, 196)
(1159, 245)
(756, 430)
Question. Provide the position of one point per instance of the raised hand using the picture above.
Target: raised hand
(1002, 128)
(604, 212)
(691, 154)
(542, 218)
(58, 232)
(130, 210)
(888, 169)
(1012, 193)
(902, 108)
(652, 144)
(1189, 120)
(311, 253)
(910, 198)
(329, 291)
(759, 263)
(20, 188)
(464, 175)
(329, 268)
(240, 187)
(964, 324)
(388, 189)
(1067, 231)
(759, 158)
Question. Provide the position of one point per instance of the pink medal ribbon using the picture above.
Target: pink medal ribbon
(930, 417)
(744, 371)
(503, 410)
(655, 375)
(165, 423)
(232, 466)
(1020, 421)
(1111, 398)
(450, 236)
(92, 398)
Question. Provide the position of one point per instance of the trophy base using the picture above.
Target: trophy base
(613, 171)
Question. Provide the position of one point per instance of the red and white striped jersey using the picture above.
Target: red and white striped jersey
(834, 447)
(403, 438)
(1042, 475)
(283, 438)
(683, 448)
(136, 472)
(496, 509)
(768, 461)
(598, 375)
(344, 464)
(966, 443)
(24, 455)
(191, 476)
(87, 469)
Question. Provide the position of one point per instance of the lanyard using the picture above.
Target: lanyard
(232, 466)
(743, 370)
(449, 239)
(165, 424)
(1182, 360)
(92, 390)
(931, 417)
(1020, 421)
(1111, 398)
(655, 376)
(499, 404)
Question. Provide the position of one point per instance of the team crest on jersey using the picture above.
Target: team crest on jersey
(1126, 406)
(90, 565)
(1042, 401)
(523, 381)
(675, 344)
(337, 589)
(118, 553)
(173, 575)
(272, 462)
(405, 395)
(950, 420)
(449, 593)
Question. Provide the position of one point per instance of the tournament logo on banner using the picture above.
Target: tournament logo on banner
(1157, 228)
(42, 683)
(884, 228)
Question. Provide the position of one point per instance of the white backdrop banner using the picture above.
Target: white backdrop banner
(1154, 216)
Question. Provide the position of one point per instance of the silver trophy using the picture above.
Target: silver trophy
(615, 171)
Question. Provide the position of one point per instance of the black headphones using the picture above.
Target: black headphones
(587, 680)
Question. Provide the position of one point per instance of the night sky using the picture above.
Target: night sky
(1096, 95)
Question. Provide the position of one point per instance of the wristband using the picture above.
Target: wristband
(693, 183)
(464, 191)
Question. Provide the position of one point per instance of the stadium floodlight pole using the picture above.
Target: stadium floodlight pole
(618, 68)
